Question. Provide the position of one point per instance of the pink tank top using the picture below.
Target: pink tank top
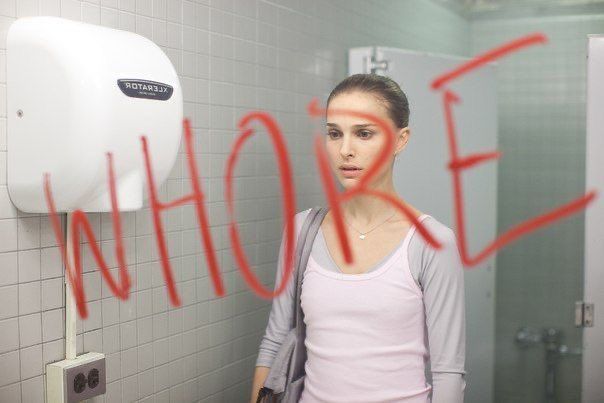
(365, 334)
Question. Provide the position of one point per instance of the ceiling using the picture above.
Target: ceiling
(478, 9)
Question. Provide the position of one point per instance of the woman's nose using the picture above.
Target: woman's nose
(346, 147)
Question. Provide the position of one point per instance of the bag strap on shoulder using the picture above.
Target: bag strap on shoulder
(308, 233)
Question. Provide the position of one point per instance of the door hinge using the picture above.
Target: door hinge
(584, 314)
(372, 65)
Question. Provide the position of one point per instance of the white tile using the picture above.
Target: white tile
(159, 8)
(53, 324)
(127, 309)
(91, 13)
(29, 265)
(174, 37)
(221, 46)
(31, 361)
(113, 367)
(3, 160)
(32, 390)
(160, 32)
(52, 293)
(128, 334)
(29, 297)
(9, 335)
(51, 263)
(47, 234)
(174, 11)
(130, 389)
(109, 18)
(162, 377)
(8, 268)
(111, 311)
(111, 339)
(114, 391)
(144, 7)
(50, 7)
(176, 374)
(144, 302)
(160, 300)
(127, 5)
(53, 351)
(3, 138)
(144, 330)
(11, 393)
(27, 8)
(144, 276)
(93, 340)
(163, 396)
(8, 8)
(29, 232)
(188, 13)
(203, 42)
(175, 343)
(161, 350)
(9, 368)
(109, 3)
(145, 383)
(7, 208)
(30, 329)
(71, 9)
(127, 222)
(94, 319)
(129, 360)
(79, 344)
(160, 326)
(189, 39)
(144, 27)
(8, 234)
(92, 285)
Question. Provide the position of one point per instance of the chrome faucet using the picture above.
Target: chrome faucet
(527, 337)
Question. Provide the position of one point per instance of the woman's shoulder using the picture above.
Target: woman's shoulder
(300, 217)
(303, 213)
(437, 229)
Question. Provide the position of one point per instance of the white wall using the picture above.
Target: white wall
(232, 57)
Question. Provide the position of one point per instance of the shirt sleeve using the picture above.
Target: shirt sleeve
(442, 283)
(282, 310)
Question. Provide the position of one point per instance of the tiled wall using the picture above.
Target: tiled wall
(542, 137)
(232, 57)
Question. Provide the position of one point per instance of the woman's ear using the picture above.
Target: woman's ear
(402, 138)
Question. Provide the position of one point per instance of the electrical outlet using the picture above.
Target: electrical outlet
(75, 380)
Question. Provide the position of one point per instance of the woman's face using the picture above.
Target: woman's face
(356, 141)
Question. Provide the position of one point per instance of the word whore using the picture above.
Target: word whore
(334, 197)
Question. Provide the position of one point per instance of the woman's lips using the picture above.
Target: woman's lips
(350, 173)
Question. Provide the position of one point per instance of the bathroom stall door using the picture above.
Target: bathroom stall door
(422, 178)
(593, 357)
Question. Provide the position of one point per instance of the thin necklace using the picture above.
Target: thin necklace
(363, 234)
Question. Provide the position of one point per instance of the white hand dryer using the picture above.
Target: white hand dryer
(76, 91)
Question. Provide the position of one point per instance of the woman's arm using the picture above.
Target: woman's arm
(260, 375)
(442, 281)
(281, 315)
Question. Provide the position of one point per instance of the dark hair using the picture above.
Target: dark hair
(384, 88)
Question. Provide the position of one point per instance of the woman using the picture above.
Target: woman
(371, 326)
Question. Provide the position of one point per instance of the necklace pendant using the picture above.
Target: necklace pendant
(362, 236)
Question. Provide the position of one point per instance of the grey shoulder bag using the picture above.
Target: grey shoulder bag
(285, 380)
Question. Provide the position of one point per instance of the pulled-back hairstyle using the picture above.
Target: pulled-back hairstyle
(384, 88)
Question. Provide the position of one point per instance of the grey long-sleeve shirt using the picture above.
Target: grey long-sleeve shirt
(440, 276)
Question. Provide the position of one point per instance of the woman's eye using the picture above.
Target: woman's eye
(365, 134)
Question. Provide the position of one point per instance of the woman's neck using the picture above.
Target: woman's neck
(367, 209)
